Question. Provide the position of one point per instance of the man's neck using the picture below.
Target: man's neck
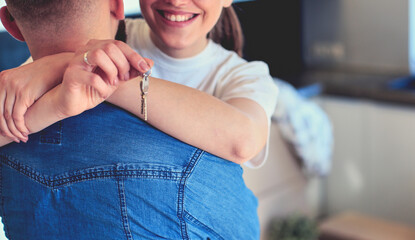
(42, 49)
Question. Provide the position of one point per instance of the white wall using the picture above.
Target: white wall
(373, 164)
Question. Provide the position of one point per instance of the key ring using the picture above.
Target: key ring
(144, 82)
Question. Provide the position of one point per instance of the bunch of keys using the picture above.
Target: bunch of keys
(144, 91)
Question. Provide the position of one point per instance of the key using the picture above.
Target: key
(144, 91)
(144, 106)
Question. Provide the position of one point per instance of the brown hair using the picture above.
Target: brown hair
(47, 14)
(228, 32)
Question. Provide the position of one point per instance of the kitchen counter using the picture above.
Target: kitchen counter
(392, 88)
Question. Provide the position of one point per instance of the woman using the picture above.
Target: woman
(235, 128)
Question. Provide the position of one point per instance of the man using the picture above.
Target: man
(105, 174)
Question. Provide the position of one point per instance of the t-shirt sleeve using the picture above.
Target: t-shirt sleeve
(29, 60)
(251, 80)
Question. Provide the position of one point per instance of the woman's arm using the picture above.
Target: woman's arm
(41, 115)
(60, 102)
(83, 87)
(20, 87)
(235, 130)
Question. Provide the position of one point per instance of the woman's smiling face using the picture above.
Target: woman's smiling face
(179, 27)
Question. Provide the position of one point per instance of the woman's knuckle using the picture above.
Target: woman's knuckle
(96, 53)
(9, 135)
(3, 77)
(21, 93)
(7, 115)
(15, 85)
(134, 57)
(112, 47)
(17, 117)
(108, 47)
(5, 134)
(118, 43)
(71, 68)
(6, 79)
(94, 79)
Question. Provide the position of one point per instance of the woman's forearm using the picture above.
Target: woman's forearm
(228, 130)
(236, 130)
(40, 115)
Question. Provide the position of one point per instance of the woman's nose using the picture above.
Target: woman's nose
(177, 3)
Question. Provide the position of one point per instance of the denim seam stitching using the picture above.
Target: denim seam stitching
(194, 220)
(61, 181)
(180, 203)
(26, 171)
(123, 206)
(110, 174)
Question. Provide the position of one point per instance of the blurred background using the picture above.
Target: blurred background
(348, 60)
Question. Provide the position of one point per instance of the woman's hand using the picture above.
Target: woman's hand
(95, 73)
(129, 63)
(22, 86)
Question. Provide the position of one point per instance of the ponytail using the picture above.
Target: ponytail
(228, 32)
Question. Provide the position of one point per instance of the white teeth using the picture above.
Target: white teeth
(177, 18)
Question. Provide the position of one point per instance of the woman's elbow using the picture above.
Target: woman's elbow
(248, 145)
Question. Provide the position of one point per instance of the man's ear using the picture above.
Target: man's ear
(10, 24)
(117, 9)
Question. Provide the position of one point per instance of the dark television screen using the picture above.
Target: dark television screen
(273, 33)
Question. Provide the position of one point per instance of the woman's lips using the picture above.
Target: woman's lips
(177, 17)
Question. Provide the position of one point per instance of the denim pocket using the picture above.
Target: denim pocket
(198, 230)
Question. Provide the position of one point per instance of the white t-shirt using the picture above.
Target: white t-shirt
(215, 70)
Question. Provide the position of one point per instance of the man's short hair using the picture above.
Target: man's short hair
(50, 15)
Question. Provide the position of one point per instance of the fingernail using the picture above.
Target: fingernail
(127, 76)
(17, 140)
(144, 66)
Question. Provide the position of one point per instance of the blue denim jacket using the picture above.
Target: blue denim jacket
(105, 174)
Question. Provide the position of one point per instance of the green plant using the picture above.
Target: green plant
(293, 228)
